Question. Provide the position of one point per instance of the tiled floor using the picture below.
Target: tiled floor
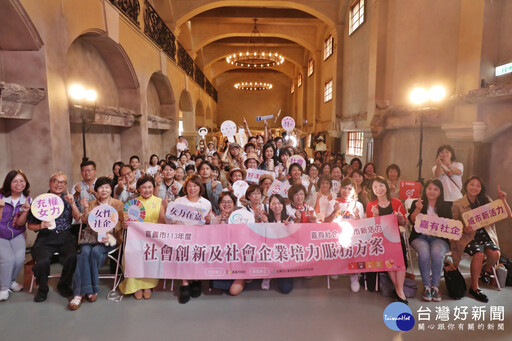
(310, 312)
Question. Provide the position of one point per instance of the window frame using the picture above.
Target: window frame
(361, 16)
(328, 47)
(330, 91)
(299, 80)
(311, 67)
(352, 150)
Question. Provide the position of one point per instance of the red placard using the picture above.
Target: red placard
(409, 190)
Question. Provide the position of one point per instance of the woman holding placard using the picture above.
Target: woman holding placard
(269, 158)
(280, 170)
(385, 205)
(227, 204)
(480, 243)
(347, 207)
(93, 252)
(298, 209)
(253, 196)
(431, 249)
(155, 213)
(194, 191)
(323, 200)
(14, 207)
(277, 214)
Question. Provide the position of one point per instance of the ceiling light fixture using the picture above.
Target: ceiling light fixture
(255, 57)
(253, 86)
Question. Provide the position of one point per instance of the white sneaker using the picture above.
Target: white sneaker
(354, 283)
(334, 277)
(4, 295)
(265, 284)
(15, 286)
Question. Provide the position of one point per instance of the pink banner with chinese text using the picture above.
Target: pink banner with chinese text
(244, 251)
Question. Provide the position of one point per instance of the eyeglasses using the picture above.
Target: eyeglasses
(90, 170)
(126, 174)
(57, 182)
(226, 202)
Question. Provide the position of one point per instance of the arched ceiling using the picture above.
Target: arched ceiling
(211, 30)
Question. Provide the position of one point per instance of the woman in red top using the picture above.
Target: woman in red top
(385, 205)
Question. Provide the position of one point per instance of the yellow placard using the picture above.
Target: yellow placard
(485, 215)
(438, 227)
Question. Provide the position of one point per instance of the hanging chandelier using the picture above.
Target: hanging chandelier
(257, 86)
(254, 57)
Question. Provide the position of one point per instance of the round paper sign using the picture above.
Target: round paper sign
(134, 210)
(241, 216)
(202, 132)
(239, 188)
(288, 123)
(296, 159)
(228, 129)
(103, 219)
(47, 207)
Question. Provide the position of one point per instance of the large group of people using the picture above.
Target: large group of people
(324, 190)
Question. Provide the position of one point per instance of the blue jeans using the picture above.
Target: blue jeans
(90, 259)
(12, 257)
(431, 251)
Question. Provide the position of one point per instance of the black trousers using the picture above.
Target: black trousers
(43, 249)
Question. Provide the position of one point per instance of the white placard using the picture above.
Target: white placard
(288, 123)
(239, 188)
(253, 175)
(228, 129)
(203, 131)
(185, 214)
(296, 159)
(241, 216)
(280, 188)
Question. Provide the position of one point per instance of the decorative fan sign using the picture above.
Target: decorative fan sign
(239, 188)
(134, 210)
(241, 216)
(228, 129)
(288, 123)
(296, 159)
(202, 132)
(103, 219)
(47, 207)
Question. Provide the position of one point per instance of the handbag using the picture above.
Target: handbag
(387, 288)
(455, 283)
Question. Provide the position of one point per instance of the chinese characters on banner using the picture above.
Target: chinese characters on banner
(438, 227)
(47, 207)
(278, 187)
(409, 190)
(103, 219)
(253, 175)
(243, 251)
(485, 215)
(185, 214)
